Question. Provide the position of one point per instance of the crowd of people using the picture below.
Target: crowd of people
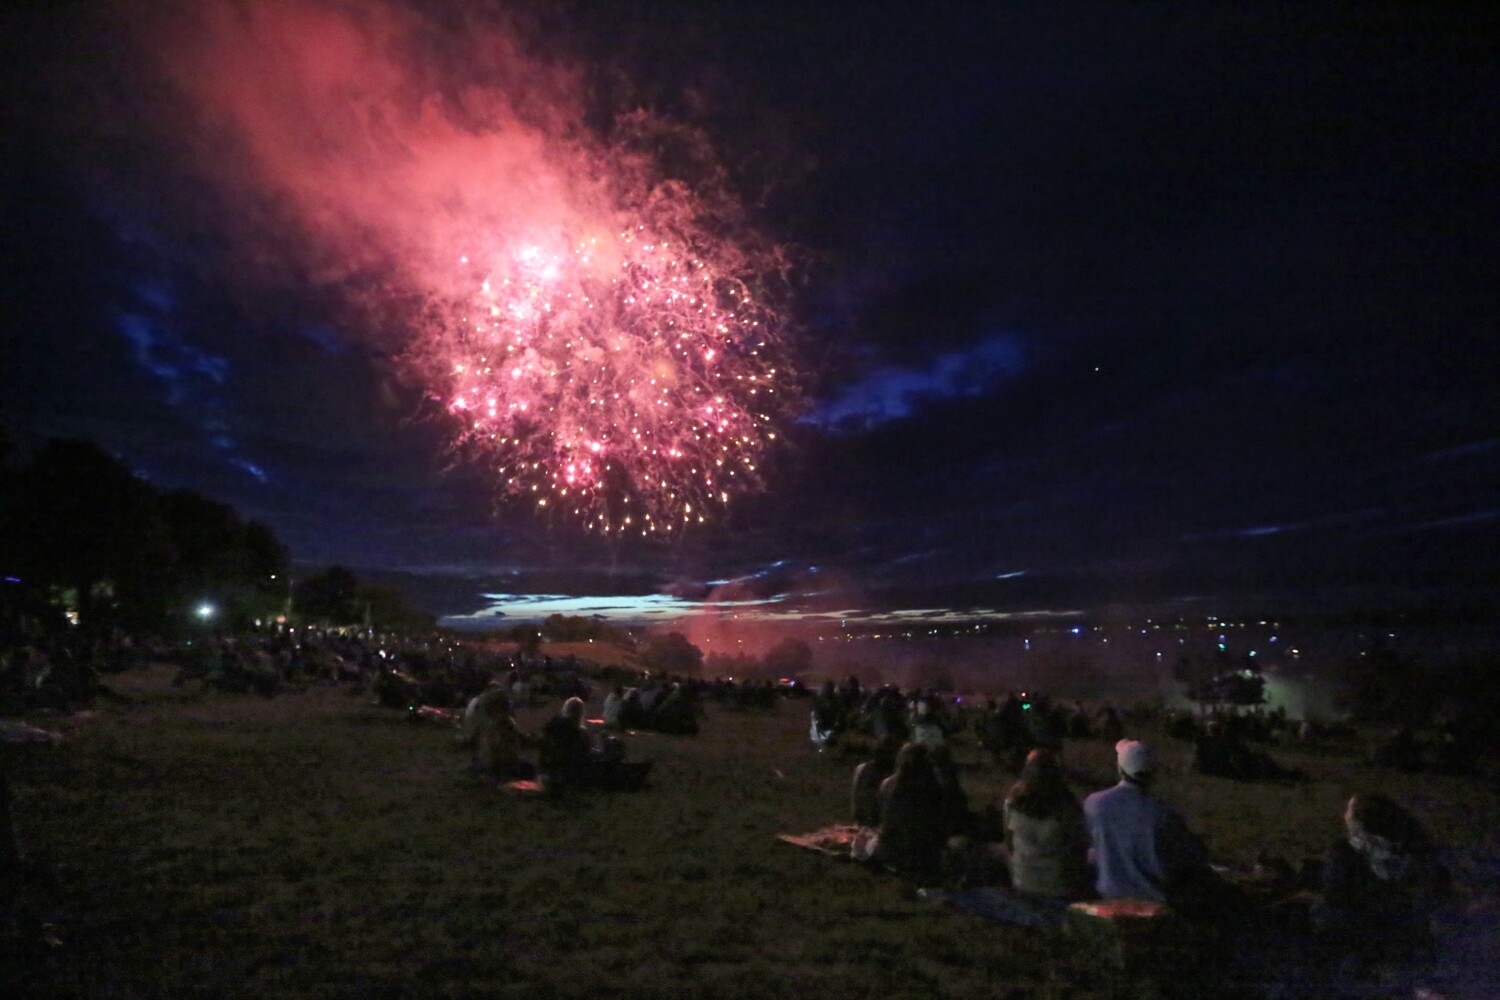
(1368, 904)
(1365, 912)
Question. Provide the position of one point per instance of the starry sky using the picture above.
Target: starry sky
(1092, 304)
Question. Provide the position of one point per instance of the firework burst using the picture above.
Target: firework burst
(626, 376)
(599, 329)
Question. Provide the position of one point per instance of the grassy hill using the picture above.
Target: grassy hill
(316, 845)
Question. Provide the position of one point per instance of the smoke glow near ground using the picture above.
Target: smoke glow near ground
(600, 331)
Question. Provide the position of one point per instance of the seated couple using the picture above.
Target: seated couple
(489, 729)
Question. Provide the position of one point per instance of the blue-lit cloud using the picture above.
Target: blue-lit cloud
(322, 336)
(893, 393)
(193, 377)
(1463, 450)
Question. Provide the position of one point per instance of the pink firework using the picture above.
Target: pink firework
(598, 331)
(626, 376)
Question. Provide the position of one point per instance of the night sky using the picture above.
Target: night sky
(1091, 303)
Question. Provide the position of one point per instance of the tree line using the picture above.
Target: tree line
(82, 536)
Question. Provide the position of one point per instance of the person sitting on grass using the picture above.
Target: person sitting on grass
(1382, 884)
(498, 740)
(632, 713)
(953, 803)
(570, 758)
(910, 838)
(474, 711)
(565, 755)
(926, 726)
(868, 777)
(826, 720)
(614, 708)
(1046, 840)
(675, 714)
(1142, 847)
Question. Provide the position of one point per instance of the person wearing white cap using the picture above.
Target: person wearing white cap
(1142, 847)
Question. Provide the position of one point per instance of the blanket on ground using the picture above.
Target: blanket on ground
(831, 840)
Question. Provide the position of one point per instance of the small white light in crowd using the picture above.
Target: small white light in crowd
(205, 611)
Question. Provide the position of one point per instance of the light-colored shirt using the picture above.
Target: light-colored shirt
(1141, 845)
(1048, 856)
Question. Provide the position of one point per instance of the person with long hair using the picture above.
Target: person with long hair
(910, 839)
(1046, 839)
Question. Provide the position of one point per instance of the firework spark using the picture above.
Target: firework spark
(600, 334)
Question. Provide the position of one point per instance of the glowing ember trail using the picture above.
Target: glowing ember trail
(598, 329)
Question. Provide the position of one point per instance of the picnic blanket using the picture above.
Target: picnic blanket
(831, 840)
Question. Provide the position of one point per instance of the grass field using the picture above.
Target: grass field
(316, 845)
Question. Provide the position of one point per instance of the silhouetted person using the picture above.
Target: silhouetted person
(1382, 883)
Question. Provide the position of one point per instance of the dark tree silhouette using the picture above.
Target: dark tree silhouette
(82, 521)
(329, 596)
(386, 608)
(218, 553)
(788, 658)
(1387, 687)
(214, 544)
(672, 654)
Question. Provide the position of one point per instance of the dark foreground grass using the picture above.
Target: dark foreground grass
(316, 845)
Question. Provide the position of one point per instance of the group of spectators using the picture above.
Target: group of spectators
(569, 753)
(1005, 728)
(60, 671)
(1366, 909)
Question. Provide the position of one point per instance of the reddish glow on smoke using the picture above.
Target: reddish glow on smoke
(600, 334)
